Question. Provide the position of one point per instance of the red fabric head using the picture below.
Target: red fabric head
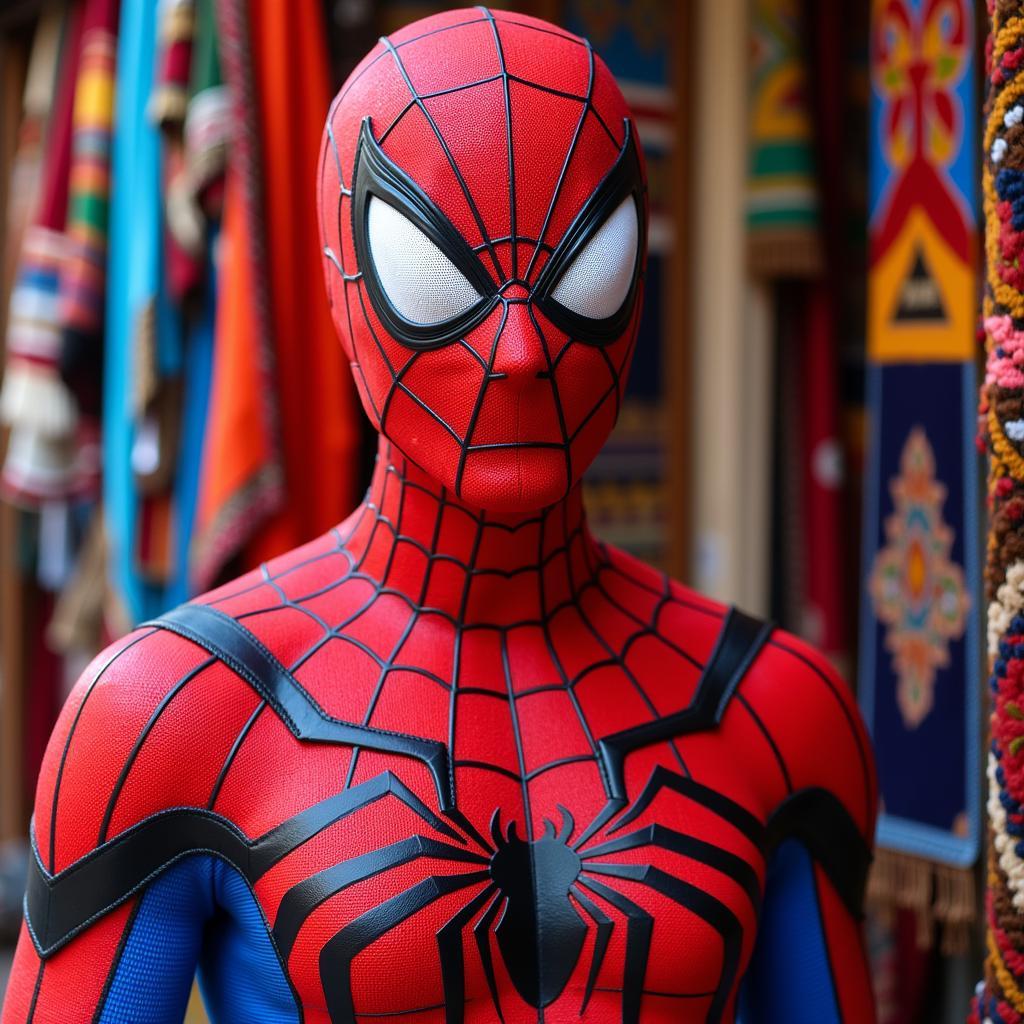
(465, 154)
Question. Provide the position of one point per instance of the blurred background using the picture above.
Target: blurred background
(799, 436)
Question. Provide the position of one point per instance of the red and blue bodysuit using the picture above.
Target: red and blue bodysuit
(456, 760)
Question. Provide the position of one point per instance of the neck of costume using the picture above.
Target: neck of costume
(413, 536)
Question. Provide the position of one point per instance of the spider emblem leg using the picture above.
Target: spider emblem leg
(538, 898)
(337, 955)
(639, 928)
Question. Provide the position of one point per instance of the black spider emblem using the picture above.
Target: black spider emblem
(535, 879)
(541, 893)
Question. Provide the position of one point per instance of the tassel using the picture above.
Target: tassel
(33, 395)
(957, 887)
(37, 468)
(35, 398)
(937, 894)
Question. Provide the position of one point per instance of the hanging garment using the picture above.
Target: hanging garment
(241, 483)
(83, 272)
(207, 127)
(143, 340)
(34, 104)
(184, 229)
(34, 401)
(320, 427)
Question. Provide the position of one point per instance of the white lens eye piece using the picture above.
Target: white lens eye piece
(421, 283)
(599, 278)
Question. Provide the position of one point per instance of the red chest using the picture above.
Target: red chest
(536, 888)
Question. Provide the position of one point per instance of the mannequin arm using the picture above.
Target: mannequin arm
(132, 959)
(809, 964)
(135, 964)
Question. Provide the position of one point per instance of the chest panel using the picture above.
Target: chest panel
(487, 824)
(392, 908)
(544, 887)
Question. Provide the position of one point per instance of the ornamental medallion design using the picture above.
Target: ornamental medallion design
(916, 590)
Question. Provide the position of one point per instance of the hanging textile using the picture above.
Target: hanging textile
(241, 481)
(83, 270)
(919, 654)
(315, 409)
(1000, 999)
(782, 195)
(34, 401)
(320, 425)
(207, 127)
(184, 236)
(143, 337)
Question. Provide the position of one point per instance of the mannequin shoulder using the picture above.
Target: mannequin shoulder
(809, 714)
(804, 713)
(147, 727)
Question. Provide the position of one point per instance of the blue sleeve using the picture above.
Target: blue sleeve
(240, 973)
(790, 975)
(198, 913)
(152, 975)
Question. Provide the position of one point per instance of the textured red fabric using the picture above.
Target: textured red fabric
(497, 628)
(620, 645)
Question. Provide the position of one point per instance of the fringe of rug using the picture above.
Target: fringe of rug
(943, 899)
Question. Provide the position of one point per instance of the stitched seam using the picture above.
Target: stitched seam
(744, 667)
(48, 951)
(174, 626)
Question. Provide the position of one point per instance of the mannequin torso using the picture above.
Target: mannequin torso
(456, 760)
(639, 902)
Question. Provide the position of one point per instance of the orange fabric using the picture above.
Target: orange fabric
(319, 425)
(238, 441)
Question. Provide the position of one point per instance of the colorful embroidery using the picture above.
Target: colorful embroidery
(921, 286)
(917, 591)
(920, 641)
(1000, 996)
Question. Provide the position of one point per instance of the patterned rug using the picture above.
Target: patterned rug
(920, 634)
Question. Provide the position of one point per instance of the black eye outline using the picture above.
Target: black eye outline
(624, 179)
(376, 175)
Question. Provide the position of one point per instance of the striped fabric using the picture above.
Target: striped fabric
(34, 402)
(782, 193)
(83, 275)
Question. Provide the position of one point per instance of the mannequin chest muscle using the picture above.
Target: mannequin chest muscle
(542, 890)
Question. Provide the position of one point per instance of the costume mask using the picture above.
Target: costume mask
(483, 216)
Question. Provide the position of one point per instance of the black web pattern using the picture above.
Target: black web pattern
(597, 563)
(120, 866)
(465, 441)
(124, 863)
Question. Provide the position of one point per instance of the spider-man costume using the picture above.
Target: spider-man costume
(457, 760)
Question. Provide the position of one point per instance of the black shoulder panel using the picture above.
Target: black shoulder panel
(58, 907)
(818, 819)
(228, 640)
(739, 642)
